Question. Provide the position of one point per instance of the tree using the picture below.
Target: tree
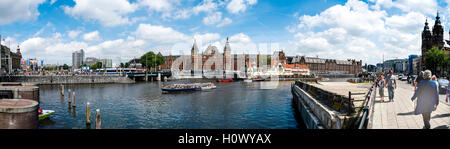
(97, 65)
(151, 59)
(436, 58)
(127, 65)
(65, 66)
(122, 65)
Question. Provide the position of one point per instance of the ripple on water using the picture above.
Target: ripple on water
(142, 105)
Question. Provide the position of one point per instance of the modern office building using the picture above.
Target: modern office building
(77, 59)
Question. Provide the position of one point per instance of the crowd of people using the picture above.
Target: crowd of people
(426, 91)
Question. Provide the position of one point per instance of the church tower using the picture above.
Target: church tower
(426, 38)
(227, 60)
(194, 57)
(438, 33)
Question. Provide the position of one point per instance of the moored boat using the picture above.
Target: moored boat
(181, 88)
(225, 80)
(44, 114)
(254, 80)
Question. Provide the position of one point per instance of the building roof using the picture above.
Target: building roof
(314, 60)
(342, 62)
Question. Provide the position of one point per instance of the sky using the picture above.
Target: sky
(51, 30)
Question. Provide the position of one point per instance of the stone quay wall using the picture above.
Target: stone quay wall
(322, 114)
(68, 79)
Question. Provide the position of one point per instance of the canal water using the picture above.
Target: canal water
(236, 105)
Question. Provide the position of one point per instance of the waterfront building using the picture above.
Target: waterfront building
(330, 66)
(434, 38)
(10, 61)
(252, 62)
(77, 59)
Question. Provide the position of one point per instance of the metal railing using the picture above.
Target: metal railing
(368, 107)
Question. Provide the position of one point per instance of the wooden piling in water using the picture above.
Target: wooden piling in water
(62, 90)
(70, 99)
(98, 121)
(73, 96)
(88, 113)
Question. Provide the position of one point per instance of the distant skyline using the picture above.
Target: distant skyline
(124, 29)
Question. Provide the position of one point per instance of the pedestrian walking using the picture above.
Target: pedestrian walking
(391, 84)
(418, 79)
(380, 83)
(427, 95)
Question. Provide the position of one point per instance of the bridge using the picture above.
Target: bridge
(142, 76)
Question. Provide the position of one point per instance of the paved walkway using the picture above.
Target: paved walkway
(400, 113)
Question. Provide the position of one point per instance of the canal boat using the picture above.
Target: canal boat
(225, 80)
(44, 114)
(208, 86)
(254, 80)
(181, 88)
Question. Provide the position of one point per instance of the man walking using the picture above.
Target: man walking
(428, 98)
(390, 84)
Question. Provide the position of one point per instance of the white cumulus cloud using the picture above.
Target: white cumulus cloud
(14, 10)
(107, 12)
(92, 36)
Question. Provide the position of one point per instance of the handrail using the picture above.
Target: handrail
(368, 107)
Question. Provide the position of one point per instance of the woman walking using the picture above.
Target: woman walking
(381, 86)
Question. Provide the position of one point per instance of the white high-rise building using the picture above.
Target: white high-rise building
(77, 59)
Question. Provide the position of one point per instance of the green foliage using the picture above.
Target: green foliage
(65, 67)
(151, 59)
(97, 65)
(127, 65)
(435, 58)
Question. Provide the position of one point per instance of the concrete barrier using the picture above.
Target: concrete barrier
(18, 114)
